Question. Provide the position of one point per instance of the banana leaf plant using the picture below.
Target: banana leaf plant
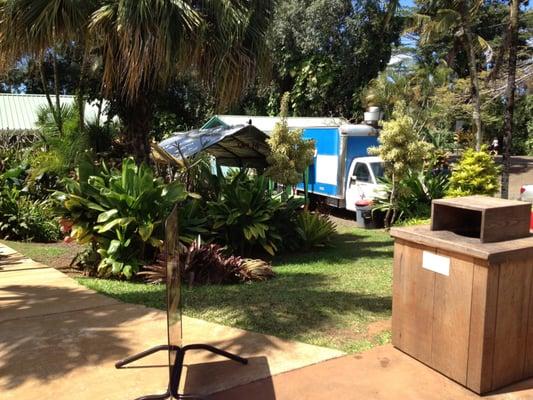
(122, 211)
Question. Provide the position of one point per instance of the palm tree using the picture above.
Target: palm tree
(144, 44)
(416, 88)
(456, 18)
(40, 28)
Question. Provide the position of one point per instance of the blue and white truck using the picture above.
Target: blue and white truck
(343, 173)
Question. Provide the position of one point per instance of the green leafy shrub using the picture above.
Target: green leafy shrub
(59, 151)
(414, 194)
(24, 219)
(241, 216)
(414, 222)
(192, 221)
(15, 177)
(87, 260)
(475, 173)
(14, 149)
(99, 138)
(314, 230)
(284, 222)
(122, 211)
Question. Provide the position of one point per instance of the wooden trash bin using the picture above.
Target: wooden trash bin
(461, 306)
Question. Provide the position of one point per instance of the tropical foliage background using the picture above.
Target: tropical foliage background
(450, 76)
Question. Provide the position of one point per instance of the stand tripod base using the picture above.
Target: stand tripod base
(177, 368)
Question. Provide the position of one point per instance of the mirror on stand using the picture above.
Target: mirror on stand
(176, 351)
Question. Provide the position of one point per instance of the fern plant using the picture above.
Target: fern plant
(22, 218)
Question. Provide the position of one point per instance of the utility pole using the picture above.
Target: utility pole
(514, 9)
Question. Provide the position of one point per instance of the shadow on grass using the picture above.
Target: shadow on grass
(346, 285)
(346, 247)
(290, 305)
(314, 291)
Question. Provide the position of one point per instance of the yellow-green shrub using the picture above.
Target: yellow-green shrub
(475, 173)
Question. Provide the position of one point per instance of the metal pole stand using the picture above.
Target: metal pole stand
(175, 378)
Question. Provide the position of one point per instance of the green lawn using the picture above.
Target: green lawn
(338, 297)
(57, 255)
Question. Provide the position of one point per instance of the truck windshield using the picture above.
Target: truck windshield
(378, 168)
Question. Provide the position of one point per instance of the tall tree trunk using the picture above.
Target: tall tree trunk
(468, 40)
(390, 215)
(59, 116)
(390, 12)
(510, 95)
(137, 124)
(46, 91)
(80, 97)
(99, 113)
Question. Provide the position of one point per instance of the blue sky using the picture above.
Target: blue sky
(407, 3)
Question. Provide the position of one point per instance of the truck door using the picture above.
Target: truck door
(360, 185)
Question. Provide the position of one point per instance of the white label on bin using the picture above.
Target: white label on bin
(436, 263)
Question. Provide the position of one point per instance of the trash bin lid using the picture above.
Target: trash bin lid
(363, 203)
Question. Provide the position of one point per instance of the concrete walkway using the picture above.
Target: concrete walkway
(59, 340)
(382, 373)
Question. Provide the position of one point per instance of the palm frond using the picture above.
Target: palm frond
(32, 27)
(143, 44)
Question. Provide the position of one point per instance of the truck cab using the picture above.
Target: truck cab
(363, 181)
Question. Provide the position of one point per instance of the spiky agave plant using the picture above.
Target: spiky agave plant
(314, 229)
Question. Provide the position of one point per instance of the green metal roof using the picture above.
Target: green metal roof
(18, 112)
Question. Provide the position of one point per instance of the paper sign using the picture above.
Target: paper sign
(436, 263)
(326, 169)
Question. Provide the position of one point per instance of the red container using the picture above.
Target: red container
(531, 223)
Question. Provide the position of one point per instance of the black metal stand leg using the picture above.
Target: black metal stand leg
(135, 357)
(163, 396)
(178, 365)
(177, 368)
(215, 350)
